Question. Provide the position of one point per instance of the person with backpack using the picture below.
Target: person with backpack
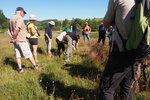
(86, 31)
(48, 37)
(17, 32)
(33, 35)
(120, 68)
(102, 34)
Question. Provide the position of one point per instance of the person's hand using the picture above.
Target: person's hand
(12, 41)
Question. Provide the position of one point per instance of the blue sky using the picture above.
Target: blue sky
(57, 9)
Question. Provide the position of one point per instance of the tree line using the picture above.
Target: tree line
(59, 25)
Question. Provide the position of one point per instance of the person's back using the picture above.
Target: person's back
(17, 21)
(122, 14)
(119, 71)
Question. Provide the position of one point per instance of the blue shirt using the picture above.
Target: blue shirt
(49, 32)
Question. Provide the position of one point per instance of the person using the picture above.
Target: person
(33, 35)
(73, 27)
(120, 69)
(70, 36)
(48, 37)
(86, 30)
(17, 31)
(109, 35)
(102, 34)
(60, 43)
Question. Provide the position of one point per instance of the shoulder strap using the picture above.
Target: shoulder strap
(27, 26)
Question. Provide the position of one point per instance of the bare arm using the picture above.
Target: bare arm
(47, 36)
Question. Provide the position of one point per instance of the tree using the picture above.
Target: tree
(3, 21)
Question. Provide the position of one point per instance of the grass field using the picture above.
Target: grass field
(57, 80)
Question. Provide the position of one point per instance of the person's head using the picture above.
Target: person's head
(32, 18)
(51, 23)
(86, 23)
(68, 30)
(76, 22)
(20, 11)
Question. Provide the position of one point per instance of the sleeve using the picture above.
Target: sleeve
(110, 14)
(89, 28)
(46, 30)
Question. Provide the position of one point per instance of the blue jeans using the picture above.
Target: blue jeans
(86, 36)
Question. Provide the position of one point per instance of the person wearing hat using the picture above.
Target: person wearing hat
(17, 31)
(48, 37)
(70, 37)
(86, 30)
(33, 35)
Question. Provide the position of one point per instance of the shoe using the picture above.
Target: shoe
(21, 71)
(68, 60)
(36, 67)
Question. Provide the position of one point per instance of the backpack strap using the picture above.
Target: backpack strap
(27, 26)
(123, 40)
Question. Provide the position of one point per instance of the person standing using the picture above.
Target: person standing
(102, 34)
(33, 39)
(48, 37)
(17, 31)
(119, 70)
(60, 43)
(86, 30)
(74, 30)
(70, 36)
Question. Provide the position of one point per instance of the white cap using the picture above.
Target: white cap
(32, 17)
(86, 22)
(52, 23)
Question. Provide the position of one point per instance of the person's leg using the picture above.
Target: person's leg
(115, 71)
(69, 48)
(84, 36)
(103, 40)
(19, 63)
(59, 46)
(88, 37)
(35, 52)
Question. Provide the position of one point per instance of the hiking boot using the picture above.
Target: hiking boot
(21, 71)
(36, 67)
(68, 60)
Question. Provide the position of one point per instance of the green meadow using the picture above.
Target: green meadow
(57, 80)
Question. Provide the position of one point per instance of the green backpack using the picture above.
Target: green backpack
(137, 46)
(140, 27)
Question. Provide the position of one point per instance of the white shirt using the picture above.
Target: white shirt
(61, 36)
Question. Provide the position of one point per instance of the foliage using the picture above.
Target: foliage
(3, 21)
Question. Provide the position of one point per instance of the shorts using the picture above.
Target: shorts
(22, 49)
(33, 41)
(48, 44)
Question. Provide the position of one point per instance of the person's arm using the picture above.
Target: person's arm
(71, 28)
(10, 35)
(47, 36)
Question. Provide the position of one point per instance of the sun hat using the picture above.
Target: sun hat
(21, 9)
(32, 17)
(68, 30)
(52, 23)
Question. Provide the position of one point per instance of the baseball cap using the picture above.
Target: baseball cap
(21, 9)
(68, 30)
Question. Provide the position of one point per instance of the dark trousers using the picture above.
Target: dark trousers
(101, 38)
(60, 46)
(118, 72)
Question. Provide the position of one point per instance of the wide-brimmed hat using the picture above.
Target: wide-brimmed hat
(86, 22)
(32, 17)
(51, 23)
(20, 9)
